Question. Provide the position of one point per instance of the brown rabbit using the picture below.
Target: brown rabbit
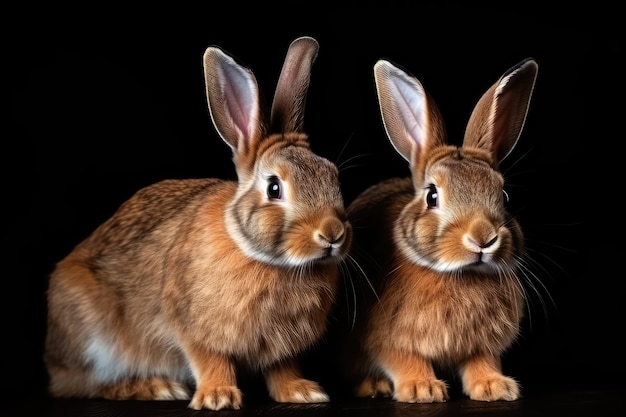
(440, 248)
(191, 279)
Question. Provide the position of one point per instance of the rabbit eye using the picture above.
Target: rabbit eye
(432, 196)
(506, 198)
(274, 191)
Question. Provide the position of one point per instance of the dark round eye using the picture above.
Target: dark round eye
(506, 198)
(274, 191)
(432, 196)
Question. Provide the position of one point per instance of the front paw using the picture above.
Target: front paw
(493, 389)
(300, 391)
(421, 391)
(217, 398)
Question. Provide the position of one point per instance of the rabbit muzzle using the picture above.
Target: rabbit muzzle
(333, 237)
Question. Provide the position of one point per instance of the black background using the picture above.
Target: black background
(105, 100)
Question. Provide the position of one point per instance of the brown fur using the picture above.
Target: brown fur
(448, 292)
(191, 279)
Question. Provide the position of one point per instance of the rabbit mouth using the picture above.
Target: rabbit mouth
(329, 254)
(332, 252)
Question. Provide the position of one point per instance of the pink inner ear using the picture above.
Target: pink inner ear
(240, 101)
(412, 108)
(404, 109)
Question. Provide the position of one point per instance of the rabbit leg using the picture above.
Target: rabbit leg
(154, 388)
(215, 380)
(413, 377)
(483, 380)
(286, 384)
(80, 382)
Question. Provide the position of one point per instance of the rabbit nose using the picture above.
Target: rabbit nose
(330, 232)
(481, 236)
(473, 242)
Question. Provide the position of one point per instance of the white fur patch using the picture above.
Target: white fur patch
(107, 364)
(175, 392)
(311, 397)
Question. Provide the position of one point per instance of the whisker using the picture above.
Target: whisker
(517, 160)
(343, 167)
(346, 273)
(364, 275)
(534, 283)
(343, 149)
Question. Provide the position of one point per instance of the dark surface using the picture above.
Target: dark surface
(570, 404)
(105, 100)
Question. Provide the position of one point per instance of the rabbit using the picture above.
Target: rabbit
(193, 279)
(439, 248)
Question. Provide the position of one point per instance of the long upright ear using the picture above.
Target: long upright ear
(233, 97)
(498, 118)
(292, 87)
(410, 117)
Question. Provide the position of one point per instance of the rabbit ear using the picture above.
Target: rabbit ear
(233, 97)
(497, 120)
(411, 119)
(290, 95)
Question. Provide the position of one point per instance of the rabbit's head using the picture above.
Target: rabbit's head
(457, 219)
(288, 208)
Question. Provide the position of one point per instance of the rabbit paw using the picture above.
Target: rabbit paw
(173, 391)
(217, 398)
(421, 391)
(493, 389)
(300, 391)
(146, 389)
(373, 387)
